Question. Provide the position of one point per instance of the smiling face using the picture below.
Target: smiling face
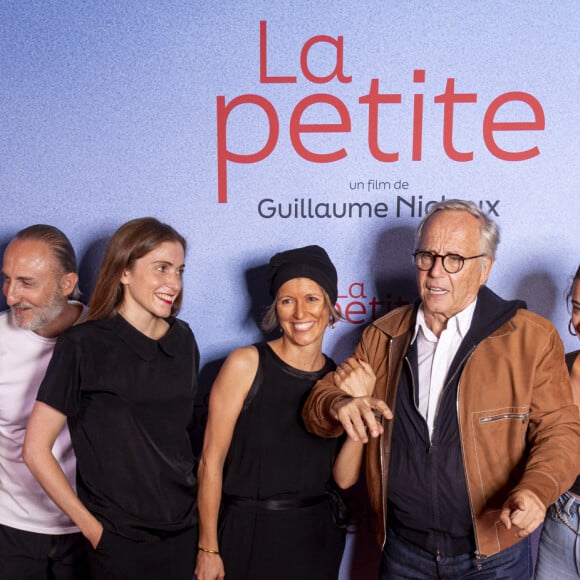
(302, 311)
(35, 287)
(443, 295)
(153, 283)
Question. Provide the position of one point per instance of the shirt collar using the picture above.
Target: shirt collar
(142, 345)
(461, 323)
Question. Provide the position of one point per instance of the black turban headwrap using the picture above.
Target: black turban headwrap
(309, 262)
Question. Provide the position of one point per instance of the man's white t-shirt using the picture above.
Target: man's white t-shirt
(24, 357)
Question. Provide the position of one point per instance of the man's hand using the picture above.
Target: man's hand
(524, 510)
(359, 414)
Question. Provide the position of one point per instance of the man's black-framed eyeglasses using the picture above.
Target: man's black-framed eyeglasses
(451, 262)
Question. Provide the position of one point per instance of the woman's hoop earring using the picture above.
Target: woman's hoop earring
(571, 328)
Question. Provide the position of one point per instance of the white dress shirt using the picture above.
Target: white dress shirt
(435, 355)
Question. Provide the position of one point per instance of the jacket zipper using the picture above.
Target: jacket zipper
(383, 494)
(522, 416)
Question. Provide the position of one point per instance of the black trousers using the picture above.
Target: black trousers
(31, 556)
(172, 557)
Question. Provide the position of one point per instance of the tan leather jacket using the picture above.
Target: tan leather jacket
(518, 424)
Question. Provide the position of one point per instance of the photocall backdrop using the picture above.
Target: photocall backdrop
(254, 127)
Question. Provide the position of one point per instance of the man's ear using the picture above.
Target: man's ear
(68, 283)
(485, 269)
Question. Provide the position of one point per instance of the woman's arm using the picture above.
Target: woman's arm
(228, 393)
(44, 425)
(346, 468)
(356, 378)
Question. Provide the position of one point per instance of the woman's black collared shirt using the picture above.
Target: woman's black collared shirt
(129, 401)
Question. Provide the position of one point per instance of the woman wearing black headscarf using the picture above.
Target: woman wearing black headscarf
(262, 476)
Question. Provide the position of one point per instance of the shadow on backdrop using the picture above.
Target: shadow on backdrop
(259, 293)
(395, 271)
(259, 299)
(540, 292)
(207, 375)
(4, 241)
(89, 264)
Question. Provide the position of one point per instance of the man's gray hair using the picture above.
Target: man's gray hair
(489, 229)
(59, 244)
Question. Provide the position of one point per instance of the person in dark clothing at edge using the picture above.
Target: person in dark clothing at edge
(471, 429)
(559, 546)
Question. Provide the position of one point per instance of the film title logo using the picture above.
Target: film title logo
(378, 104)
(358, 308)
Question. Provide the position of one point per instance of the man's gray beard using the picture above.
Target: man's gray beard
(43, 316)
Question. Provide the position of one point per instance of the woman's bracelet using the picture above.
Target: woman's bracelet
(207, 550)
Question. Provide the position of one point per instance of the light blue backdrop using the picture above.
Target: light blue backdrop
(109, 111)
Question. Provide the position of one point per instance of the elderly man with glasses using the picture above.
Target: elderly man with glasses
(465, 405)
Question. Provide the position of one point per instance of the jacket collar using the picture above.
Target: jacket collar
(491, 312)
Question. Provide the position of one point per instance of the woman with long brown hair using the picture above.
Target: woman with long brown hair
(125, 383)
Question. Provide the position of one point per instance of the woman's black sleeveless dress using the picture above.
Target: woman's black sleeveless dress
(276, 522)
